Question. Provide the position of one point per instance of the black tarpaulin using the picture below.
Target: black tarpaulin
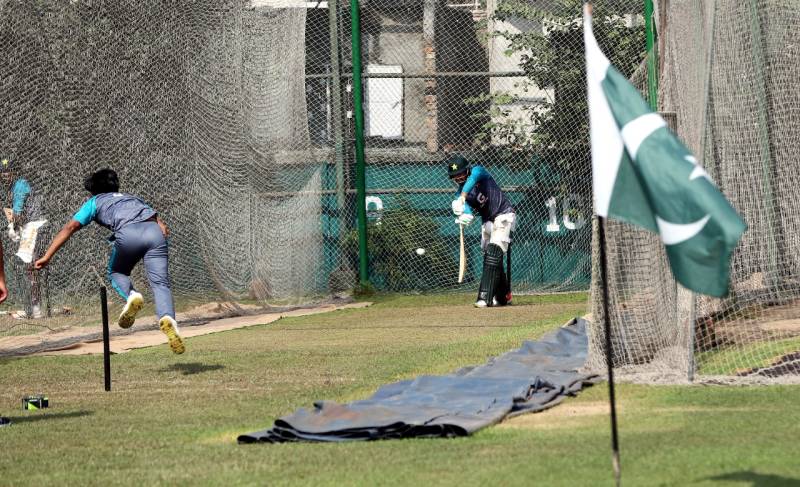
(537, 376)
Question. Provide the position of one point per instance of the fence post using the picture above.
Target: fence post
(766, 151)
(429, 49)
(336, 117)
(652, 56)
(358, 116)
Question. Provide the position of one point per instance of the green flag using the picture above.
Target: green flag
(642, 174)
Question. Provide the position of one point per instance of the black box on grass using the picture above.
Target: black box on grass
(32, 403)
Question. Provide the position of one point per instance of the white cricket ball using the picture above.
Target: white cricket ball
(420, 251)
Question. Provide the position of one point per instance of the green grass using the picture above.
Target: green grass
(728, 361)
(173, 420)
(417, 300)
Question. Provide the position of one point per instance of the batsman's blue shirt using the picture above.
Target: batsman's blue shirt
(25, 201)
(114, 210)
(484, 195)
(20, 192)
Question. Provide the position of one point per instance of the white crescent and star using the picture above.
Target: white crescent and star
(633, 134)
(698, 171)
(675, 233)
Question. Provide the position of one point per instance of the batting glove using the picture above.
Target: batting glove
(458, 206)
(464, 219)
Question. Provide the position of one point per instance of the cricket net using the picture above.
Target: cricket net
(198, 107)
(729, 72)
(233, 119)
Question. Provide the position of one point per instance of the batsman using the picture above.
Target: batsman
(478, 192)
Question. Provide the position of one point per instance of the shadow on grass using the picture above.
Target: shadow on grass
(192, 368)
(757, 479)
(44, 415)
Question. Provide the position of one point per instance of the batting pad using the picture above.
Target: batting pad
(535, 377)
(28, 236)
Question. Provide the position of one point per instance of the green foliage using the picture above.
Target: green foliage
(553, 59)
(392, 242)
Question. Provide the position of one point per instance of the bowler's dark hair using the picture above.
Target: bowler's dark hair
(102, 181)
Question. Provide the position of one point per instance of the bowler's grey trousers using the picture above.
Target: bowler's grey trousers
(142, 241)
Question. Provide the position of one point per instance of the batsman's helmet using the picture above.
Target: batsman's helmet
(456, 165)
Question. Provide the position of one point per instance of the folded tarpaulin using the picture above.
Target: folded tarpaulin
(537, 376)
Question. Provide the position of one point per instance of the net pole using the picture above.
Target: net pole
(358, 117)
(765, 151)
(336, 114)
(601, 233)
(429, 49)
(692, 363)
(652, 56)
(106, 339)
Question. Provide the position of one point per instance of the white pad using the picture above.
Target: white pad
(499, 231)
(28, 236)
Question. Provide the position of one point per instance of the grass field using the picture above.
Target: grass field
(173, 420)
(729, 361)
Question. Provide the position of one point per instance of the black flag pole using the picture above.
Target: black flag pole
(601, 233)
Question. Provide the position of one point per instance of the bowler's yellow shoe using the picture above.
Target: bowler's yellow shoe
(170, 328)
(128, 315)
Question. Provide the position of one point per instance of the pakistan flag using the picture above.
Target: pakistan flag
(644, 175)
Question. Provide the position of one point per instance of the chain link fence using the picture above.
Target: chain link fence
(501, 83)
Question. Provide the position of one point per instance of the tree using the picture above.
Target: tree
(553, 58)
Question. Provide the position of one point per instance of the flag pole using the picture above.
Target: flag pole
(601, 234)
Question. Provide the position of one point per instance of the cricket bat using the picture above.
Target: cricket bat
(462, 257)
